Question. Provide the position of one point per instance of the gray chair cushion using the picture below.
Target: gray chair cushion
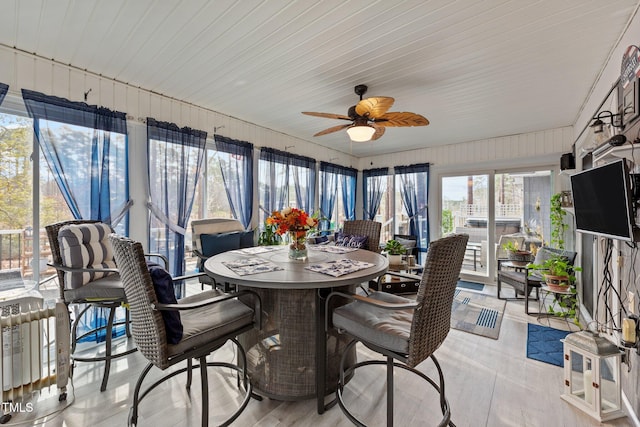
(107, 288)
(388, 329)
(85, 246)
(209, 323)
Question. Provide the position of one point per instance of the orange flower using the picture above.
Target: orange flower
(292, 219)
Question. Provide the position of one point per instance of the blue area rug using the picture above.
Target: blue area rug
(543, 344)
(470, 285)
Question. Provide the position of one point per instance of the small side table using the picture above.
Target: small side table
(398, 285)
(545, 294)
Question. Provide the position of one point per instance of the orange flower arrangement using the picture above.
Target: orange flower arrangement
(292, 220)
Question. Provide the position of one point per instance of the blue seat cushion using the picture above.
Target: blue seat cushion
(165, 294)
(213, 244)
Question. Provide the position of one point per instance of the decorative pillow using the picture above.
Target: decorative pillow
(321, 240)
(353, 241)
(85, 246)
(213, 244)
(407, 243)
(163, 285)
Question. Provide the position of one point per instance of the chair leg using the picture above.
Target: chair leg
(189, 375)
(444, 405)
(205, 391)
(107, 350)
(74, 329)
(389, 392)
(133, 420)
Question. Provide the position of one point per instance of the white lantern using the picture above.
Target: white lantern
(592, 375)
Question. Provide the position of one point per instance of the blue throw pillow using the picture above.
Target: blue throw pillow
(163, 284)
(213, 244)
(353, 241)
(321, 240)
(246, 239)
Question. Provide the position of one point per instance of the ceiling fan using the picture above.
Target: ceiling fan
(369, 118)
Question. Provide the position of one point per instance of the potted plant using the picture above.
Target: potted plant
(557, 272)
(394, 250)
(517, 256)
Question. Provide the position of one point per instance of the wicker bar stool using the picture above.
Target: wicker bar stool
(406, 332)
(104, 290)
(190, 328)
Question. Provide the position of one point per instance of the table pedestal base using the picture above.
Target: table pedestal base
(282, 357)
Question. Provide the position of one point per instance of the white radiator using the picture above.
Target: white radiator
(35, 347)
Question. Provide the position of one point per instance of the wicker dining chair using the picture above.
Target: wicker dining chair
(104, 292)
(363, 227)
(405, 331)
(206, 321)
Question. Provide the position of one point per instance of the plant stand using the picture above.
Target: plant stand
(548, 298)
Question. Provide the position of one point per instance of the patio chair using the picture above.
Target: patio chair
(522, 281)
(168, 331)
(363, 227)
(211, 236)
(405, 331)
(87, 275)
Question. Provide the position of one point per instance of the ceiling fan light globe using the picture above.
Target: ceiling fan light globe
(361, 133)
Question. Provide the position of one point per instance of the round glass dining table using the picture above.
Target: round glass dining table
(291, 357)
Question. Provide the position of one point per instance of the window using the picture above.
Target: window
(337, 194)
(285, 180)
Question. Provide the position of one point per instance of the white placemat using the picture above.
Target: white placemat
(255, 250)
(332, 249)
(244, 267)
(339, 267)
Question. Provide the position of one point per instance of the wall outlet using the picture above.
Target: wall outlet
(632, 303)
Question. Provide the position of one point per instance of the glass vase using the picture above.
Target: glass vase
(298, 245)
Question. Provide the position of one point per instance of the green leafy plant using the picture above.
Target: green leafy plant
(563, 272)
(269, 236)
(393, 247)
(510, 246)
(447, 221)
(558, 226)
(557, 265)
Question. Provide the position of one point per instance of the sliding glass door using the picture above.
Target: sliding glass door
(495, 204)
(465, 202)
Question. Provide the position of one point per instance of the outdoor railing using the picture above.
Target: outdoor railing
(11, 249)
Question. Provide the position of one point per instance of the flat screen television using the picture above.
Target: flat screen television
(603, 201)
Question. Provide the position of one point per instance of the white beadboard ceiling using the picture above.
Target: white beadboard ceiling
(475, 69)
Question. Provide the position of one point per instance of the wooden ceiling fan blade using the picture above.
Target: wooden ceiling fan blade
(327, 115)
(374, 107)
(332, 129)
(378, 133)
(401, 119)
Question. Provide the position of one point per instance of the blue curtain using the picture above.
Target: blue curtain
(348, 181)
(236, 164)
(374, 184)
(328, 192)
(86, 148)
(273, 185)
(303, 170)
(174, 160)
(414, 189)
(4, 88)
